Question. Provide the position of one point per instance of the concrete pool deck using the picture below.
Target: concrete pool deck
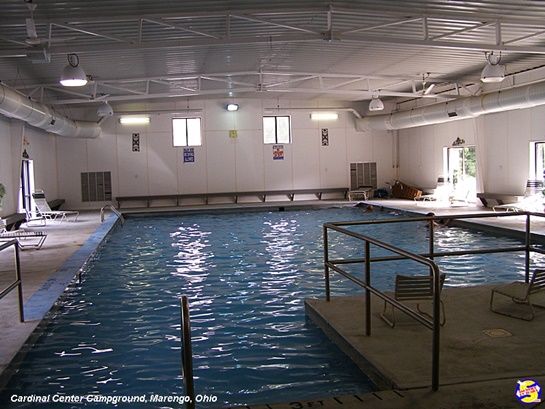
(65, 239)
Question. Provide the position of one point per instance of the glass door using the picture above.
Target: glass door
(462, 172)
(27, 187)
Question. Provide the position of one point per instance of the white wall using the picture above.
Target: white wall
(502, 145)
(14, 137)
(222, 164)
(245, 163)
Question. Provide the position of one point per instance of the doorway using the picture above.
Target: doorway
(461, 169)
(27, 187)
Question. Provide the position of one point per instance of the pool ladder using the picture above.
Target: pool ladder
(187, 354)
(113, 210)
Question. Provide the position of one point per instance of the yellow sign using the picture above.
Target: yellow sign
(233, 133)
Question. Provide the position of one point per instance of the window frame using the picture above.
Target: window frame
(276, 127)
(187, 137)
(539, 160)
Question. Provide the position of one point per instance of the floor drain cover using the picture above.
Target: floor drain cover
(497, 333)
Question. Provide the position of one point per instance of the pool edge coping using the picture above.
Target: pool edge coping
(45, 302)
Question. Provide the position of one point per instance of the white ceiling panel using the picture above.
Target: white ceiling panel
(139, 50)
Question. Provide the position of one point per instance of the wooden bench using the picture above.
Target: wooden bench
(234, 196)
(500, 198)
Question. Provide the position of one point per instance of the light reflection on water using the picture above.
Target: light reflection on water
(246, 276)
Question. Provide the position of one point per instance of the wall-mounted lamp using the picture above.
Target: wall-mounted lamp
(324, 116)
(231, 107)
(105, 109)
(458, 142)
(493, 71)
(134, 120)
(73, 75)
(376, 104)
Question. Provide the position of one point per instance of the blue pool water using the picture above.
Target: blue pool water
(117, 335)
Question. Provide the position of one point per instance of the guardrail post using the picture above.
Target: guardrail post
(527, 253)
(367, 291)
(436, 329)
(20, 286)
(187, 354)
(326, 266)
(18, 282)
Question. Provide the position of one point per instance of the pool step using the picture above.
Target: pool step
(380, 399)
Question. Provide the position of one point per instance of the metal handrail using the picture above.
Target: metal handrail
(18, 282)
(434, 325)
(114, 210)
(425, 259)
(187, 354)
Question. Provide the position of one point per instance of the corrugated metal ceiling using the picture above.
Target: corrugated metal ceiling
(139, 50)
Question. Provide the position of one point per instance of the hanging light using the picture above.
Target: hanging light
(105, 109)
(376, 104)
(231, 107)
(493, 71)
(73, 75)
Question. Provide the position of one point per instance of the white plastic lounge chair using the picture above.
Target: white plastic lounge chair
(520, 293)
(529, 203)
(460, 198)
(440, 193)
(43, 209)
(37, 219)
(25, 239)
(414, 289)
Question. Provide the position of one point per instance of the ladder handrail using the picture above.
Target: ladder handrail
(187, 354)
(18, 282)
(114, 210)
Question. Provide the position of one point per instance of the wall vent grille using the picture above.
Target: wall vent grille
(96, 186)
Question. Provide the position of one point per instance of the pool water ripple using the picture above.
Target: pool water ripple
(246, 276)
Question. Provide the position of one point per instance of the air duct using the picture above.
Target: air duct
(16, 105)
(516, 98)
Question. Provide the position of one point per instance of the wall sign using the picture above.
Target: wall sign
(189, 155)
(325, 137)
(136, 142)
(278, 152)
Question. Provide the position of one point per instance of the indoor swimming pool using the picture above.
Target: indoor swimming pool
(246, 275)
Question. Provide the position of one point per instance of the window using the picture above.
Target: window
(276, 129)
(539, 160)
(186, 132)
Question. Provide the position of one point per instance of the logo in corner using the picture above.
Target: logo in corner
(528, 391)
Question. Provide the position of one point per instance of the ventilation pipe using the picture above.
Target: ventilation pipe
(16, 105)
(516, 98)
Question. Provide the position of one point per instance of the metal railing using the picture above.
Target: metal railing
(17, 283)
(114, 210)
(187, 353)
(423, 259)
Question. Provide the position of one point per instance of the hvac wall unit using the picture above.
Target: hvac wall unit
(363, 179)
(96, 186)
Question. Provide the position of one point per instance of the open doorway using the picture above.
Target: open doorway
(461, 167)
(27, 187)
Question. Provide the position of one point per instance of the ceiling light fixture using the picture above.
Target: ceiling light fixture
(73, 75)
(134, 120)
(105, 109)
(231, 107)
(324, 116)
(376, 104)
(493, 71)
